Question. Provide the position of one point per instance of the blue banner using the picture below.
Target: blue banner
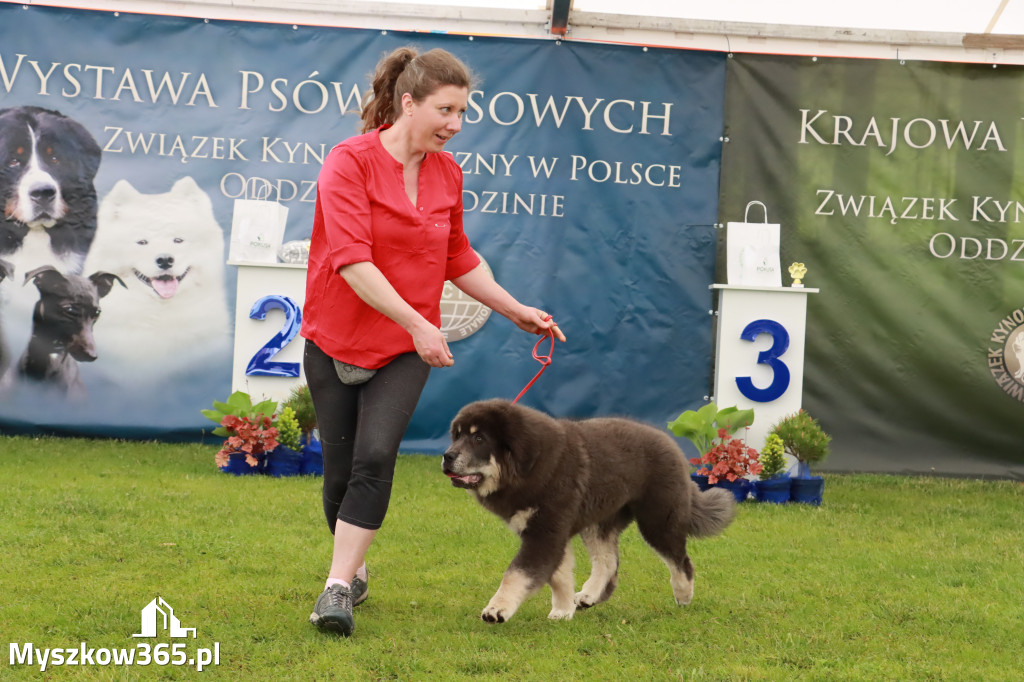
(591, 181)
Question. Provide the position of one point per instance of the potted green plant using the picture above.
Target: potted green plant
(711, 430)
(249, 433)
(773, 484)
(286, 458)
(289, 432)
(301, 402)
(803, 438)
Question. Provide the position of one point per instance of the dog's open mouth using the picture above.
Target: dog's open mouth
(165, 286)
(467, 481)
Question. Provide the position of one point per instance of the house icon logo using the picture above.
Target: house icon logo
(158, 611)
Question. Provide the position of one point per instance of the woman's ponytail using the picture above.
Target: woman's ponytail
(379, 106)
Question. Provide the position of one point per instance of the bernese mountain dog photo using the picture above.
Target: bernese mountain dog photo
(46, 185)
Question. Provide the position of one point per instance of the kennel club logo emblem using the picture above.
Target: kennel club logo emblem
(1006, 354)
(158, 614)
(462, 316)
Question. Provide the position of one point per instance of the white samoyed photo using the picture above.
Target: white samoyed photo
(171, 318)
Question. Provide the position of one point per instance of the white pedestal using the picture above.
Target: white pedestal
(759, 353)
(282, 288)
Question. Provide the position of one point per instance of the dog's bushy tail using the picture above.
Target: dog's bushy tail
(711, 511)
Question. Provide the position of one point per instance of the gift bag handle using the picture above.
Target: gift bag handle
(264, 186)
(747, 212)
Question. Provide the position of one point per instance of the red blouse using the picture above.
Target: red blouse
(363, 214)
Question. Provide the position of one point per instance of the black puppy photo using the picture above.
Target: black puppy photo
(48, 162)
(551, 479)
(62, 327)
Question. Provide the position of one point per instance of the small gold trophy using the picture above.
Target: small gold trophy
(797, 271)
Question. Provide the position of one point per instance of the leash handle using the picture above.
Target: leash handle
(544, 360)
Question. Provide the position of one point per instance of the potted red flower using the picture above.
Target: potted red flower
(703, 428)
(249, 439)
(249, 430)
(728, 463)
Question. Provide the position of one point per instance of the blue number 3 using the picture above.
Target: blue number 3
(770, 357)
(261, 363)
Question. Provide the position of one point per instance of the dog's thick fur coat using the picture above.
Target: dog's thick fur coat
(551, 479)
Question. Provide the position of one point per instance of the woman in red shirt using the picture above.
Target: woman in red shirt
(387, 234)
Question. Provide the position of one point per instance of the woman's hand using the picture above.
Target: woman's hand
(370, 285)
(481, 286)
(535, 321)
(431, 345)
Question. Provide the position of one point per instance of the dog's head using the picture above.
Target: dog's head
(47, 165)
(67, 309)
(161, 244)
(494, 446)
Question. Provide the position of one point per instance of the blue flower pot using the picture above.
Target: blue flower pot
(283, 461)
(239, 467)
(740, 488)
(807, 490)
(701, 480)
(312, 458)
(774, 490)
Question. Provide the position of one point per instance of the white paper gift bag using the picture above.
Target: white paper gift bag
(752, 251)
(257, 227)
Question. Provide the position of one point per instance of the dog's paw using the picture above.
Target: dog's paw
(682, 590)
(584, 600)
(493, 614)
(562, 614)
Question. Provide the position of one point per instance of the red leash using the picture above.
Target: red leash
(544, 360)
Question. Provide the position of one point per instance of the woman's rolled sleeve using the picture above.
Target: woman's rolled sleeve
(346, 210)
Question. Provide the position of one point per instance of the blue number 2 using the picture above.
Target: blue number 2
(261, 363)
(770, 357)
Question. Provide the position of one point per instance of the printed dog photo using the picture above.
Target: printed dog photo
(46, 184)
(48, 163)
(62, 329)
(172, 315)
(552, 479)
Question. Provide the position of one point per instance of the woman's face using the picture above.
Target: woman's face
(437, 117)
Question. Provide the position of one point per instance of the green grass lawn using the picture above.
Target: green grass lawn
(892, 578)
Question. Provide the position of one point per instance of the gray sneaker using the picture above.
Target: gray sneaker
(360, 590)
(333, 611)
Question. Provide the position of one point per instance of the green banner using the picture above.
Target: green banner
(898, 185)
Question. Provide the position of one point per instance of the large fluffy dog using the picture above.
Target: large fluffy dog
(550, 479)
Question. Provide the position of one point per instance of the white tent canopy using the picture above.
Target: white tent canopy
(988, 31)
(986, 16)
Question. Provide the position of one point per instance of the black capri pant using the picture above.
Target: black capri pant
(361, 428)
